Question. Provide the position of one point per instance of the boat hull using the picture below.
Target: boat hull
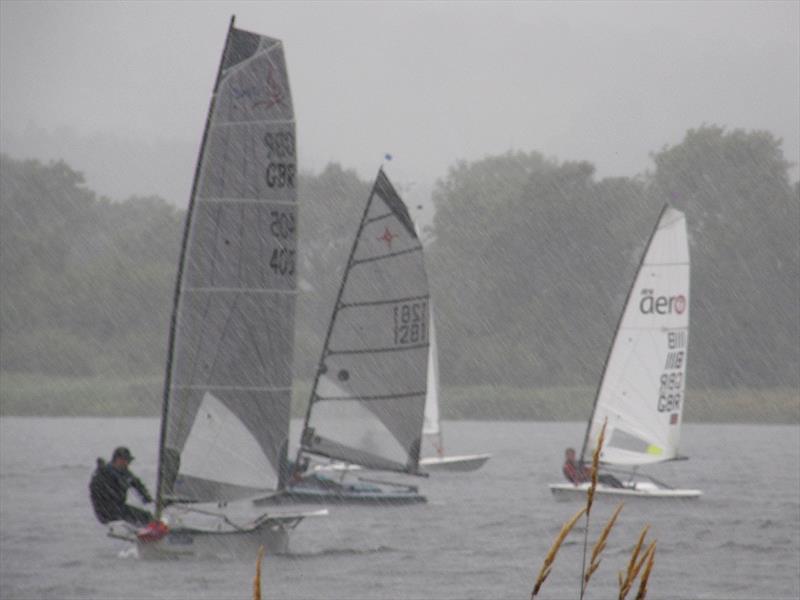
(313, 496)
(470, 462)
(223, 541)
(645, 490)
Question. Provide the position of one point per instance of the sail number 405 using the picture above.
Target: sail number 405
(282, 227)
(410, 326)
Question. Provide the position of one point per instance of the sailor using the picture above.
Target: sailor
(108, 490)
(575, 472)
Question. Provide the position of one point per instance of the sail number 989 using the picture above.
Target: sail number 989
(670, 392)
(410, 325)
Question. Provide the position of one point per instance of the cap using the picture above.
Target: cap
(122, 452)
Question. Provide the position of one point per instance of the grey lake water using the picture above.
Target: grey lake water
(481, 534)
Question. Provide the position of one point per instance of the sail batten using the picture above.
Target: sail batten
(641, 393)
(367, 401)
(228, 388)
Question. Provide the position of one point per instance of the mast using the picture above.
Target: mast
(336, 307)
(616, 332)
(178, 284)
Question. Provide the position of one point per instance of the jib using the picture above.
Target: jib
(661, 305)
(280, 175)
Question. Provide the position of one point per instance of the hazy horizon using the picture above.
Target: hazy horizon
(121, 90)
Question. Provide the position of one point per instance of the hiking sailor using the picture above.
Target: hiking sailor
(108, 490)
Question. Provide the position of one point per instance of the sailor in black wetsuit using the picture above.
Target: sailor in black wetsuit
(108, 490)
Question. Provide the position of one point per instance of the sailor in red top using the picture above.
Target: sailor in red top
(574, 472)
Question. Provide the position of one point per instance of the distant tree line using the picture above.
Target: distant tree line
(529, 261)
(532, 261)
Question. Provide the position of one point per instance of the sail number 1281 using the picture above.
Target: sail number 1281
(410, 326)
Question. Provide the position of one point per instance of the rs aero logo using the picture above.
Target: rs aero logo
(661, 305)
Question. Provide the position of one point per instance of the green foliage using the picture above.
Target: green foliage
(529, 263)
(87, 283)
(744, 219)
(532, 261)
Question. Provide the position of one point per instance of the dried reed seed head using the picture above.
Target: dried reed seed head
(601, 541)
(551, 554)
(651, 555)
(595, 466)
(637, 549)
(634, 565)
(590, 571)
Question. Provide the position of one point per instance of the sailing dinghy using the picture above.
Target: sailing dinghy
(432, 428)
(641, 393)
(225, 414)
(367, 401)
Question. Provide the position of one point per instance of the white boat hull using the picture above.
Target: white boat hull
(640, 489)
(469, 462)
(223, 541)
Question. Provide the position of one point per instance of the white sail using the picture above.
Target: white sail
(642, 389)
(430, 426)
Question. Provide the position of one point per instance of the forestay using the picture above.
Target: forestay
(227, 395)
(642, 389)
(368, 399)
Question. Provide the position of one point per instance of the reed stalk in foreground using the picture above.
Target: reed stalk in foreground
(551, 555)
(600, 545)
(635, 566)
(257, 578)
(590, 499)
(626, 582)
(651, 555)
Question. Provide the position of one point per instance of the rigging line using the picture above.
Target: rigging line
(379, 302)
(378, 350)
(666, 264)
(253, 290)
(255, 122)
(376, 397)
(380, 217)
(259, 201)
(224, 333)
(233, 388)
(383, 256)
(240, 245)
(661, 329)
(217, 229)
(254, 341)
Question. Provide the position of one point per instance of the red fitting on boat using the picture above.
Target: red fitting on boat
(152, 532)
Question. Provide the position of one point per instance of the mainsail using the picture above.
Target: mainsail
(225, 418)
(642, 389)
(367, 402)
(430, 426)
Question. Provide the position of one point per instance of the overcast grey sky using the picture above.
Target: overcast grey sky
(431, 83)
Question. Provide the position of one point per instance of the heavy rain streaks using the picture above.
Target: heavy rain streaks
(533, 148)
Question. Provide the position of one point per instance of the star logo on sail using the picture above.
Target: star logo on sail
(387, 237)
(274, 92)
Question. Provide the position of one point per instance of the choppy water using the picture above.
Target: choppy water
(482, 535)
